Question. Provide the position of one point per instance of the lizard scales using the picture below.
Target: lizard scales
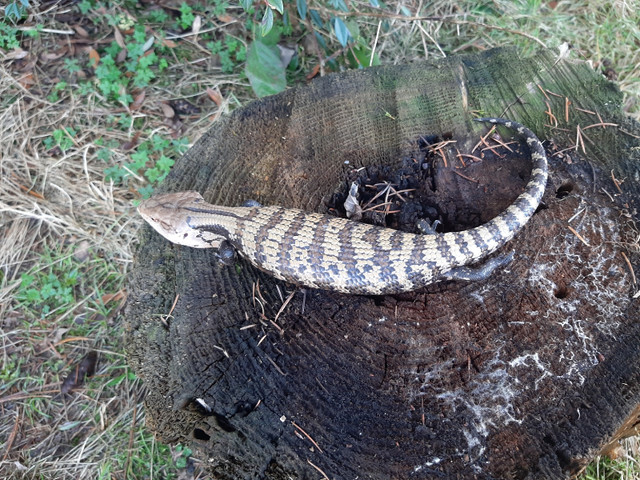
(321, 251)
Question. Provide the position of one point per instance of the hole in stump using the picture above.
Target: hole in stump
(200, 434)
(564, 190)
(561, 291)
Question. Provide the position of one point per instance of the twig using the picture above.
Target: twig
(47, 30)
(264, 302)
(482, 140)
(12, 435)
(585, 111)
(175, 302)
(375, 43)
(560, 152)
(468, 155)
(284, 305)
(324, 475)
(22, 395)
(431, 38)
(580, 237)
(552, 93)
(377, 195)
(628, 133)
(276, 366)
(502, 144)
(601, 124)
(304, 300)
(373, 207)
(543, 92)
(199, 32)
(131, 434)
(607, 194)
(278, 327)
(307, 435)
(261, 307)
(552, 118)
(616, 182)
(633, 275)
(226, 354)
(579, 140)
(465, 177)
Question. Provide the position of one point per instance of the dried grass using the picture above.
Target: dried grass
(59, 201)
(54, 199)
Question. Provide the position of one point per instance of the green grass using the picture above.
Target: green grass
(91, 132)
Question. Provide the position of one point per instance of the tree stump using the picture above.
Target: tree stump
(528, 374)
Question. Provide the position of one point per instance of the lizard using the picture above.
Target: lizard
(326, 252)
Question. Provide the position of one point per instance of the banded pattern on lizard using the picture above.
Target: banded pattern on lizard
(322, 251)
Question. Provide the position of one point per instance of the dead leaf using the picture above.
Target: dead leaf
(197, 25)
(16, 54)
(82, 251)
(81, 31)
(94, 58)
(286, 54)
(85, 369)
(122, 55)
(113, 297)
(119, 38)
(167, 111)
(50, 56)
(169, 43)
(226, 18)
(138, 101)
(148, 44)
(128, 145)
(27, 80)
(314, 71)
(215, 95)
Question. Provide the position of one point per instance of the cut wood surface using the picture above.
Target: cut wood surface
(528, 374)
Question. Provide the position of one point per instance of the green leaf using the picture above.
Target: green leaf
(69, 425)
(146, 191)
(267, 22)
(276, 4)
(115, 381)
(32, 295)
(246, 4)
(26, 280)
(339, 5)
(302, 8)
(341, 31)
(360, 56)
(265, 70)
(316, 18)
(48, 290)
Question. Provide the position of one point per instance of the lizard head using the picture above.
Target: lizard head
(168, 214)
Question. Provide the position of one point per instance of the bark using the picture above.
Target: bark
(528, 374)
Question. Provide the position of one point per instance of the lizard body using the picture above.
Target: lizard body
(322, 251)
